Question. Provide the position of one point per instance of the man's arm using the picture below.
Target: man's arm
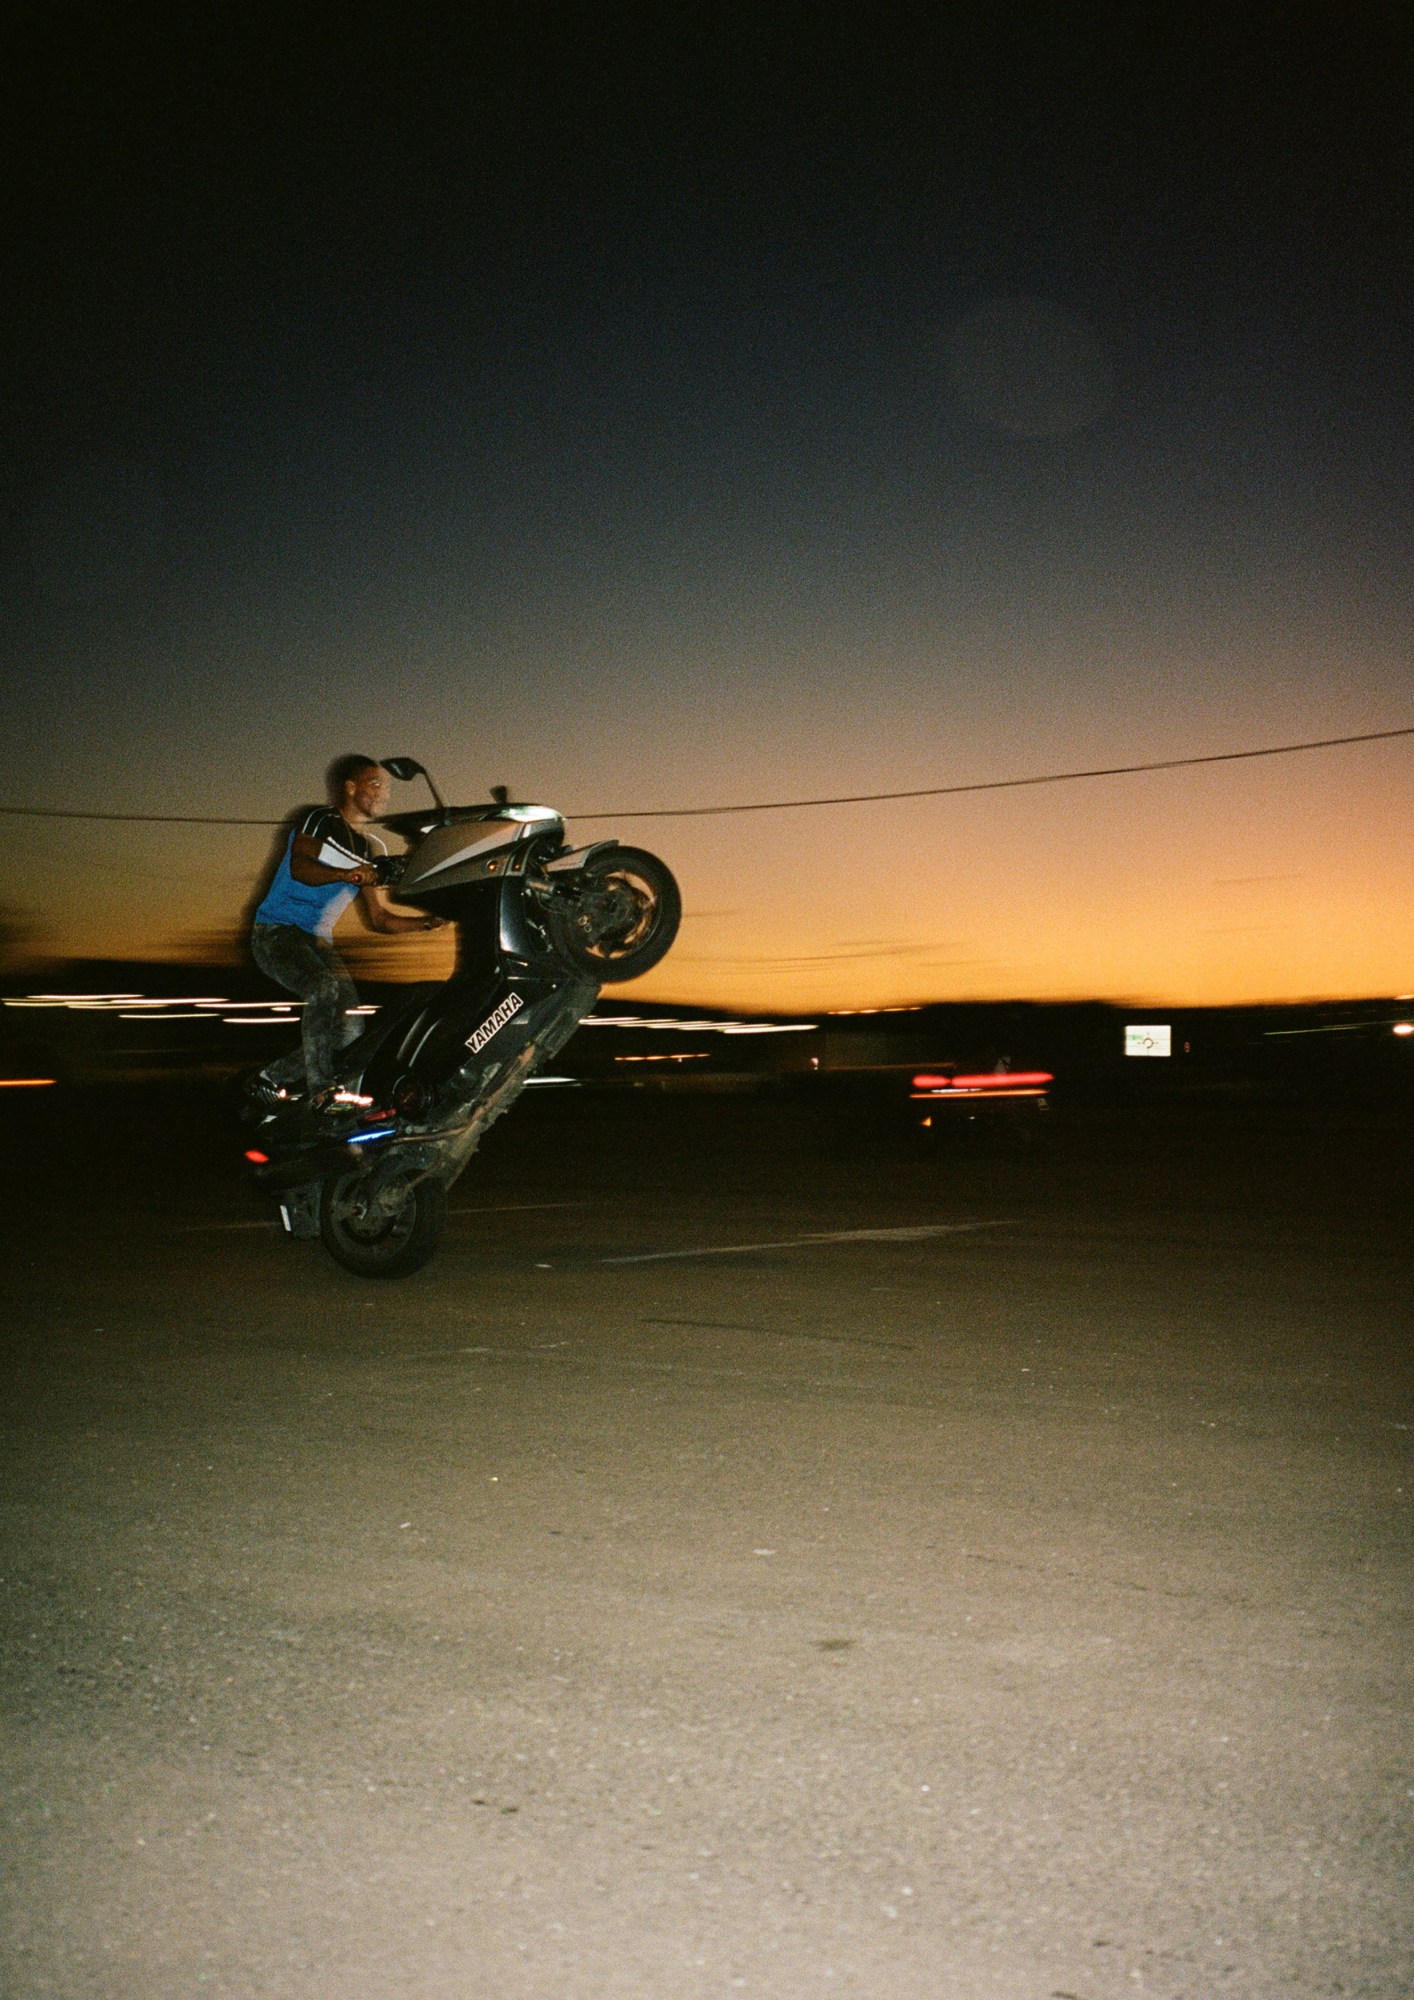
(306, 866)
(382, 916)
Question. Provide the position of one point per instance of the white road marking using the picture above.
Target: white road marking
(914, 1234)
(200, 1228)
(520, 1207)
(500, 1208)
(787, 1333)
(622, 1364)
(608, 1361)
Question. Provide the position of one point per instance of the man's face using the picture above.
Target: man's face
(368, 792)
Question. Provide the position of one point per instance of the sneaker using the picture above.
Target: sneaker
(338, 1101)
(261, 1094)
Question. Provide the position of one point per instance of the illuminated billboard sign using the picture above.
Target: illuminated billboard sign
(1149, 1041)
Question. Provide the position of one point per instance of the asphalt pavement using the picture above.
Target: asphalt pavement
(753, 1558)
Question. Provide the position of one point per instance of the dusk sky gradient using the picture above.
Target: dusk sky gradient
(685, 404)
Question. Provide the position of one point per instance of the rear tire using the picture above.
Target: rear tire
(383, 1243)
(621, 917)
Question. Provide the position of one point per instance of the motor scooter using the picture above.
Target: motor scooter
(540, 927)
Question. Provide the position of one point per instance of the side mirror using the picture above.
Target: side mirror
(408, 767)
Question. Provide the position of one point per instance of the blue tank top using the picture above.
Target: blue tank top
(316, 907)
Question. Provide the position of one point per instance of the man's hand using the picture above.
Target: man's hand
(362, 878)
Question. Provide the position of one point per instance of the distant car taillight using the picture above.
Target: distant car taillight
(995, 1083)
(1014, 1079)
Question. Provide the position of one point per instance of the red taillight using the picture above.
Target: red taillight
(1015, 1079)
(999, 1079)
(257, 1159)
(408, 1097)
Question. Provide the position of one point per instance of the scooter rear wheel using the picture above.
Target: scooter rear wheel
(373, 1239)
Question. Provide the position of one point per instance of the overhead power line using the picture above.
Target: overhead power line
(1006, 784)
(795, 805)
(133, 819)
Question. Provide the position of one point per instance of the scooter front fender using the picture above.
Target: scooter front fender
(576, 858)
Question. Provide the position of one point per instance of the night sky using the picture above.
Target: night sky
(679, 405)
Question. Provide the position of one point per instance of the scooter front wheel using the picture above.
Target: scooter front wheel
(381, 1232)
(621, 916)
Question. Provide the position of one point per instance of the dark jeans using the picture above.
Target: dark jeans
(305, 964)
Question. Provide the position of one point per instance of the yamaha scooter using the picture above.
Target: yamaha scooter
(540, 927)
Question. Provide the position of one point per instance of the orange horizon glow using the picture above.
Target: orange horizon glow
(1265, 883)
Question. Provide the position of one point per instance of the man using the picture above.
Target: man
(328, 860)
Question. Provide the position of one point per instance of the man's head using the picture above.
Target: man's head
(358, 786)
